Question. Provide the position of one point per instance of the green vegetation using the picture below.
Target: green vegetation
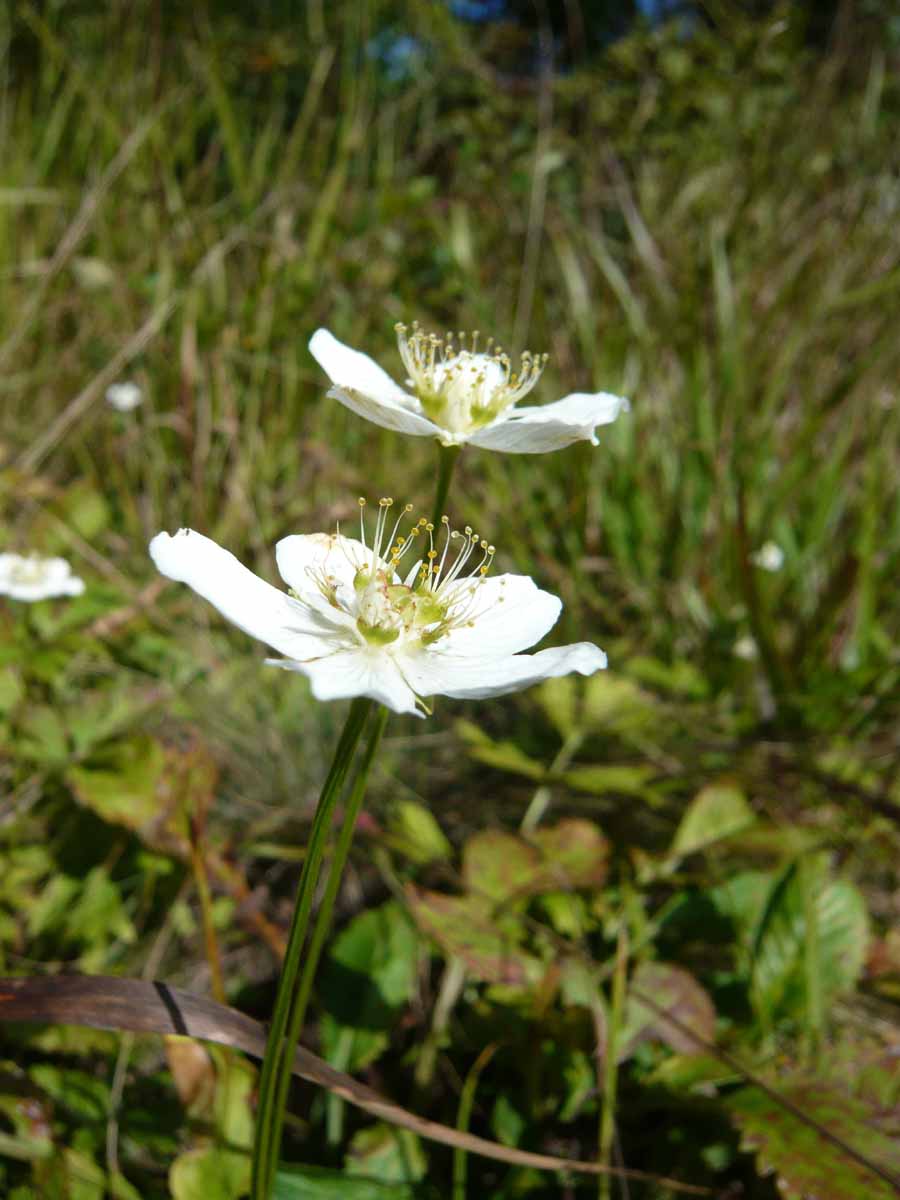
(709, 829)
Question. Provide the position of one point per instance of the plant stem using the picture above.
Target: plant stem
(332, 886)
(614, 1024)
(272, 1091)
(447, 456)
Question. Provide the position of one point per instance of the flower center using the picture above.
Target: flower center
(438, 593)
(28, 571)
(460, 387)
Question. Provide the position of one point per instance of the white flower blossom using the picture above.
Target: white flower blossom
(124, 397)
(461, 394)
(32, 578)
(746, 648)
(769, 557)
(355, 627)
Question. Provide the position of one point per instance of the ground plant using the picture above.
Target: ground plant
(565, 848)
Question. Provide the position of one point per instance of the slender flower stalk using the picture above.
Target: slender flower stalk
(286, 1017)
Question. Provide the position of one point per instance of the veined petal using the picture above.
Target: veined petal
(366, 389)
(435, 673)
(301, 555)
(348, 368)
(240, 596)
(509, 613)
(551, 426)
(387, 415)
(356, 672)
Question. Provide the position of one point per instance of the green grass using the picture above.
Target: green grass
(706, 226)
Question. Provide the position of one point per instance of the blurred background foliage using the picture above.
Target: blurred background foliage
(699, 213)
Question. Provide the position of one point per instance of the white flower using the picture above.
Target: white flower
(354, 627)
(461, 394)
(34, 578)
(770, 557)
(124, 397)
(746, 648)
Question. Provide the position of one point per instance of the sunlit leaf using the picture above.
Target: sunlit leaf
(716, 812)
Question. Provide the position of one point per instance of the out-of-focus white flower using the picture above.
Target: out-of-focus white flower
(31, 578)
(461, 394)
(745, 647)
(770, 557)
(124, 397)
(355, 627)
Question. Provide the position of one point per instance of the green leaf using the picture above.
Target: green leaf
(575, 854)
(559, 700)
(677, 993)
(368, 978)
(505, 756)
(618, 779)
(42, 736)
(416, 833)
(11, 689)
(499, 866)
(465, 927)
(321, 1183)
(779, 979)
(716, 812)
(210, 1173)
(681, 678)
(387, 1154)
(614, 703)
(806, 1164)
(122, 785)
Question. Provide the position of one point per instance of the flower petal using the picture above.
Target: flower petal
(433, 673)
(301, 555)
(552, 426)
(363, 387)
(240, 596)
(388, 416)
(356, 672)
(348, 368)
(509, 613)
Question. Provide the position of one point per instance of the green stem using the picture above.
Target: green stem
(270, 1114)
(332, 886)
(614, 1024)
(447, 456)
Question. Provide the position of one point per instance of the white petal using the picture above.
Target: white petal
(240, 596)
(348, 368)
(387, 415)
(361, 671)
(433, 673)
(363, 387)
(552, 426)
(331, 553)
(509, 614)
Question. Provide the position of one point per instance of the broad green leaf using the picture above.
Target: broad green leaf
(615, 704)
(368, 978)
(499, 866)
(322, 1183)
(621, 779)
(677, 993)
(559, 700)
(507, 1122)
(681, 678)
(465, 927)
(805, 1164)
(123, 785)
(11, 689)
(716, 812)
(574, 853)
(210, 1173)
(505, 756)
(387, 1154)
(70, 1175)
(416, 833)
(780, 968)
(42, 736)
